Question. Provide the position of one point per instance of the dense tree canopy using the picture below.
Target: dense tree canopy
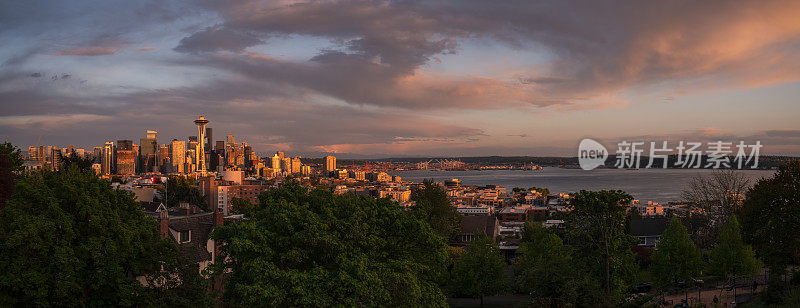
(68, 238)
(731, 256)
(676, 257)
(596, 232)
(10, 164)
(480, 270)
(314, 248)
(545, 267)
(771, 217)
(183, 189)
(433, 206)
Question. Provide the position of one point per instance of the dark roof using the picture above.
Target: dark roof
(200, 225)
(149, 207)
(475, 224)
(649, 226)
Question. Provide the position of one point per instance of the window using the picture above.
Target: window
(185, 236)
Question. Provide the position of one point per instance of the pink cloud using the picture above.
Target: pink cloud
(89, 51)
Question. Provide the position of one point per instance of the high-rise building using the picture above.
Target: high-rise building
(297, 165)
(125, 157)
(71, 151)
(32, 155)
(98, 155)
(229, 139)
(178, 154)
(280, 154)
(165, 158)
(330, 163)
(275, 162)
(148, 152)
(80, 152)
(286, 164)
(58, 160)
(209, 139)
(107, 160)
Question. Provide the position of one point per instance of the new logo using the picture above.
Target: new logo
(591, 154)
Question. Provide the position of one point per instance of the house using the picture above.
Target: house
(473, 225)
(649, 230)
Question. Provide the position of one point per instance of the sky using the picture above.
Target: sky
(402, 78)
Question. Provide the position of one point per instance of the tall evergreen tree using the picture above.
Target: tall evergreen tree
(433, 206)
(731, 256)
(676, 257)
(545, 267)
(480, 271)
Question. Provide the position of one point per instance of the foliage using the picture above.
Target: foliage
(541, 190)
(601, 248)
(80, 162)
(433, 206)
(676, 257)
(183, 189)
(314, 248)
(731, 256)
(719, 194)
(771, 217)
(10, 164)
(69, 239)
(480, 270)
(545, 267)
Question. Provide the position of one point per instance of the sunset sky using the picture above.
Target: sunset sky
(402, 78)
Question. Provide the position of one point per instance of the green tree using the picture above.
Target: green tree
(545, 267)
(68, 238)
(433, 206)
(480, 270)
(180, 189)
(596, 231)
(314, 248)
(676, 257)
(10, 165)
(771, 217)
(731, 256)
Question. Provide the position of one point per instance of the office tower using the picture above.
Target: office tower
(209, 139)
(58, 159)
(98, 155)
(229, 139)
(48, 153)
(178, 153)
(201, 123)
(148, 152)
(107, 160)
(70, 150)
(330, 163)
(40, 154)
(296, 165)
(286, 164)
(165, 159)
(80, 152)
(280, 154)
(32, 153)
(220, 146)
(125, 157)
(275, 162)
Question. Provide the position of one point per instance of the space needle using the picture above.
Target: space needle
(201, 153)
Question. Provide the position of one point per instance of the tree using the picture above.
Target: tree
(68, 238)
(10, 165)
(80, 162)
(676, 257)
(719, 194)
(433, 205)
(771, 217)
(596, 228)
(545, 267)
(480, 271)
(183, 189)
(314, 248)
(731, 256)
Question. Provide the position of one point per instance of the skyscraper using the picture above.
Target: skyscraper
(275, 162)
(330, 163)
(107, 160)
(178, 151)
(296, 165)
(148, 152)
(126, 157)
(201, 123)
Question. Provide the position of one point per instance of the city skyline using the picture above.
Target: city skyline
(378, 79)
